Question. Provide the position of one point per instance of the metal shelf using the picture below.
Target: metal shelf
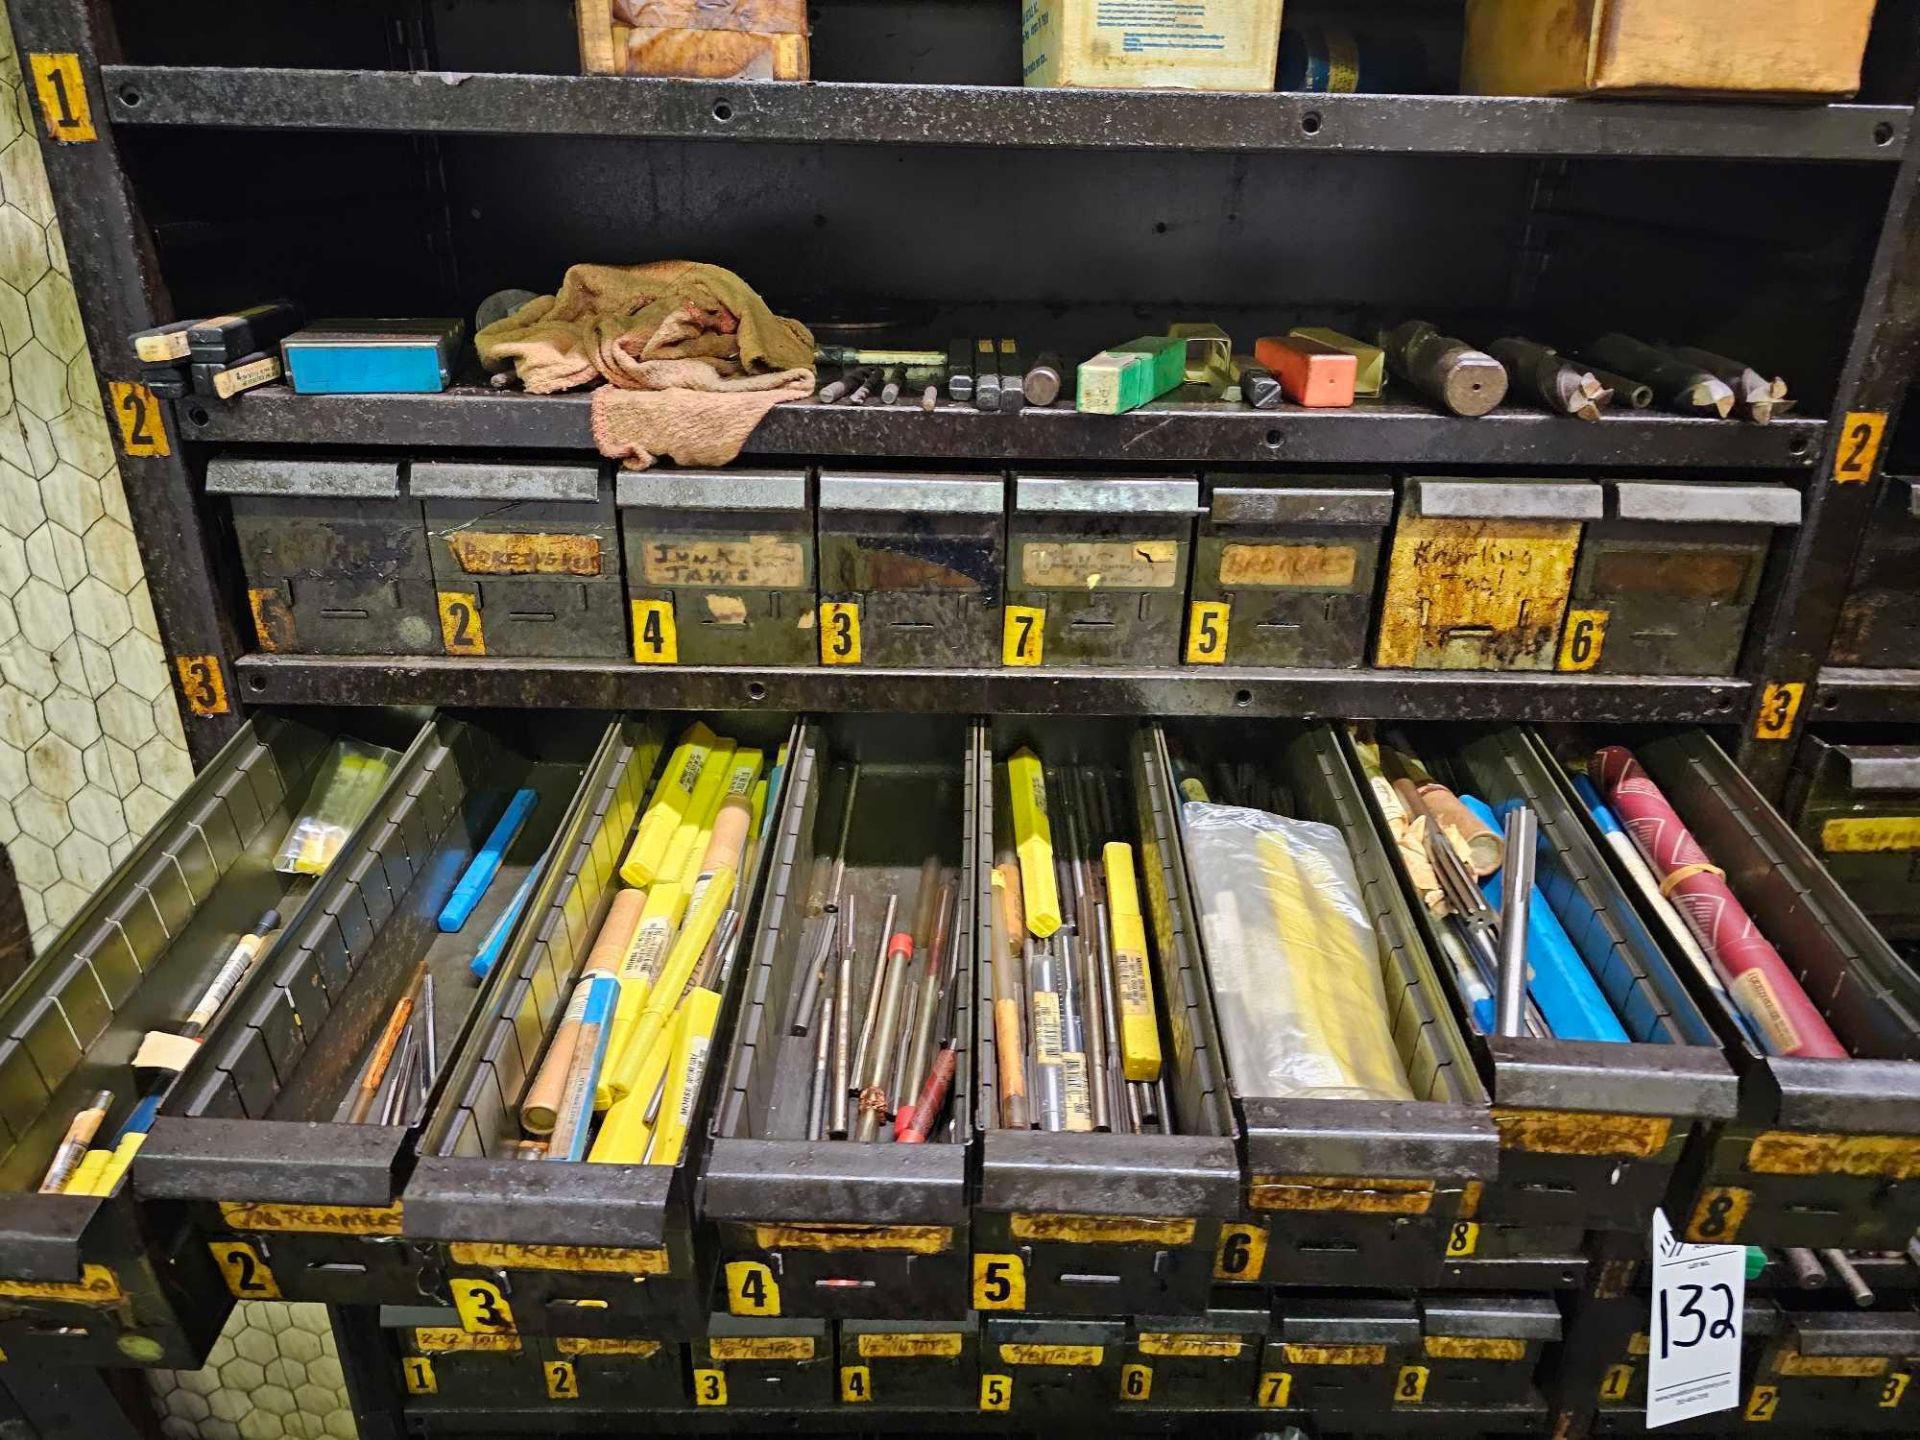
(1864, 695)
(838, 112)
(1349, 694)
(1165, 432)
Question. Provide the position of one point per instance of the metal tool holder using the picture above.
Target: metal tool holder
(765, 1365)
(1590, 1132)
(720, 566)
(813, 1226)
(1193, 1362)
(1857, 806)
(569, 1248)
(1109, 1224)
(259, 1141)
(1099, 563)
(1055, 1368)
(1344, 1192)
(1482, 1350)
(931, 1364)
(526, 557)
(912, 568)
(1665, 583)
(1341, 1356)
(1293, 560)
(83, 1282)
(335, 555)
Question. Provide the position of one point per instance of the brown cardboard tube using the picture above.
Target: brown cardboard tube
(1486, 848)
(616, 933)
(541, 1108)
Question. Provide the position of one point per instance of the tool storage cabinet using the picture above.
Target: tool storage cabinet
(1344, 1357)
(102, 1280)
(588, 1250)
(1193, 1362)
(1857, 806)
(259, 1141)
(1483, 1350)
(769, 1366)
(916, 1364)
(1055, 1368)
(1109, 1224)
(840, 1229)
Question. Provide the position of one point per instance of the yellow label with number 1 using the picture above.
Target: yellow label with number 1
(461, 631)
(1616, 1382)
(136, 410)
(996, 1392)
(1584, 638)
(1894, 1390)
(1779, 708)
(1463, 1238)
(856, 1384)
(1023, 635)
(1241, 1253)
(751, 1289)
(418, 1370)
(203, 683)
(709, 1387)
(656, 638)
(1136, 1383)
(562, 1383)
(839, 632)
(999, 1282)
(1411, 1386)
(1207, 622)
(1859, 448)
(63, 97)
(246, 1272)
(1762, 1401)
(1276, 1388)
(483, 1309)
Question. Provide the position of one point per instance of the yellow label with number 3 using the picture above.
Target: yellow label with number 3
(203, 684)
(1207, 623)
(460, 629)
(1023, 635)
(839, 632)
(1894, 1391)
(418, 1370)
(999, 1282)
(246, 1272)
(136, 410)
(656, 638)
(483, 1309)
(996, 1392)
(62, 92)
(709, 1387)
(1583, 639)
(562, 1383)
(1859, 448)
(1463, 1238)
(751, 1289)
(1779, 708)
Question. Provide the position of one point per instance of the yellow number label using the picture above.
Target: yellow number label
(1023, 635)
(999, 1282)
(656, 638)
(856, 1384)
(1411, 1387)
(1718, 1214)
(709, 1387)
(1276, 1388)
(460, 628)
(1136, 1382)
(1207, 623)
(1859, 448)
(63, 97)
(1241, 1253)
(839, 632)
(483, 1309)
(136, 410)
(203, 684)
(1585, 636)
(996, 1392)
(1616, 1382)
(751, 1289)
(246, 1272)
(1894, 1391)
(562, 1383)
(1779, 708)
(1463, 1238)
(1762, 1401)
(418, 1370)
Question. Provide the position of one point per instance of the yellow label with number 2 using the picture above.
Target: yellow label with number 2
(136, 410)
(461, 631)
(1859, 448)
(246, 1272)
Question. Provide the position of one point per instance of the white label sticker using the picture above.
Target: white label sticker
(1698, 1294)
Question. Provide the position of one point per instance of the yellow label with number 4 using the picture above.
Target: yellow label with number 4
(1463, 1238)
(460, 629)
(656, 638)
(1207, 622)
(562, 1383)
(203, 684)
(1779, 708)
(1023, 635)
(1859, 448)
(482, 1307)
(751, 1289)
(1411, 1386)
(246, 1271)
(1583, 639)
(999, 1282)
(709, 1387)
(62, 92)
(1762, 1401)
(136, 410)
(1276, 1389)
(856, 1384)
(418, 1370)
(996, 1392)
(839, 632)
(1241, 1253)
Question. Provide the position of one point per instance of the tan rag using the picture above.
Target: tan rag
(692, 357)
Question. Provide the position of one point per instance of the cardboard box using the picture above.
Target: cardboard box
(1639, 47)
(695, 39)
(1151, 44)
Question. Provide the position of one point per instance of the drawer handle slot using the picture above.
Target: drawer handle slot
(1089, 1279)
(337, 1267)
(842, 1282)
(326, 614)
(1327, 1247)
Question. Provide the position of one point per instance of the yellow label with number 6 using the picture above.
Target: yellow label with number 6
(461, 632)
(1241, 1253)
(839, 632)
(999, 1282)
(483, 1309)
(1136, 1383)
(1207, 622)
(1023, 635)
(751, 1289)
(1583, 639)
(656, 638)
(246, 1271)
(1779, 708)
(562, 1383)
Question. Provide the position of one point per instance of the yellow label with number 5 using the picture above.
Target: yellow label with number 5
(656, 638)
(1136, 1383)
(1463, 1238)
(999, 1282)
(1023, 635)
(1207, 622)
(483, 1309)
(1583, 639)
(418, 1370)
(751, 1289)
(246, 1271)
(562, 1383)
(996, 1392)
(63, 97)
(1894, 1390)
(136, 410)
(461, 632)
(1859, 448)
(709, 1387)
(1410, 1388)
(1276, 1389)
(1762, 1402)
(856, 1384)
(839, 632)
(1779, 708)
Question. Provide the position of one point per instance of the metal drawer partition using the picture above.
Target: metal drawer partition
(841, 1229)
(97, 1280)
(298, 1202)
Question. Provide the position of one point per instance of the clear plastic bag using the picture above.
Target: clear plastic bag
(1294, 959)
(350, 780)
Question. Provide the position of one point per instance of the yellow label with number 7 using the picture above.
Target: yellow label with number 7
(1276, 1389)
(1023, 635)
(839, 632)
(1859, 448)
(1779, 708)
(1207, 622)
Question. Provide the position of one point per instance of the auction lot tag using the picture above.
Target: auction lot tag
(1698, 1295)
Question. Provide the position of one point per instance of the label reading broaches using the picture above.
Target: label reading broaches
(1288, 567)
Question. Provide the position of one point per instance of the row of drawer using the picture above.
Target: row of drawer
(1519, 1160)
(960, 571)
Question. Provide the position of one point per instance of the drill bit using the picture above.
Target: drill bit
(1683, 388)
(1543, 376)
(1756, 398)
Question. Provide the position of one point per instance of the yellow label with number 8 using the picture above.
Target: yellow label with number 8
(1207, 622)
(1411, 1386)
(1463, 1238)
(1023, 635)
(839, 632)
